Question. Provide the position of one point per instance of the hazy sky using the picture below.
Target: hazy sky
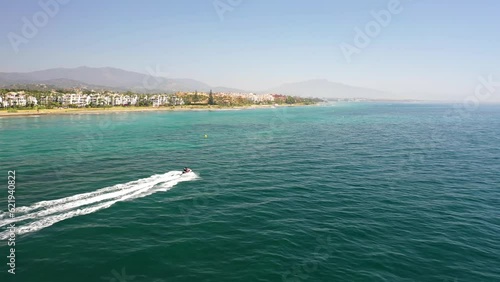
(427, 46)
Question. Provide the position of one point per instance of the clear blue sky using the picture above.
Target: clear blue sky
(436, 47)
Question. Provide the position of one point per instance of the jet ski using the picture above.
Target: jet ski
(186, 170)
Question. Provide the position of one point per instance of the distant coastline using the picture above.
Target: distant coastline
(29, 102)
(111, 110)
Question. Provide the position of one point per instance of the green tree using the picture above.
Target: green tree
(211, 98)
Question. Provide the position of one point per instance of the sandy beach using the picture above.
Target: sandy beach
(80, 111)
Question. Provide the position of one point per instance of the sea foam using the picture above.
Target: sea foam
(46, 213)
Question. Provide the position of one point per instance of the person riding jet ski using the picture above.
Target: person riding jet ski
(186, 170)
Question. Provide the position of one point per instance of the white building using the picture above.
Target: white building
(176, 101)
(15, 99)
(32, 100)
(159, 100)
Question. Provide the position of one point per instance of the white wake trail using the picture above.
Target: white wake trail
(80, 200)
(44, 204)
(57, 210)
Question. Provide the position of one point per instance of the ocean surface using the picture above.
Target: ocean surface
(340, 192)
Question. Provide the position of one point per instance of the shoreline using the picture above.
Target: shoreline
(112, 110)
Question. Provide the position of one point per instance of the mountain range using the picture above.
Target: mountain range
(122, 80)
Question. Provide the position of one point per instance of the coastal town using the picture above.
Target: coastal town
(84, 98)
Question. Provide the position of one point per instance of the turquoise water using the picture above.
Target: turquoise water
(351, 192)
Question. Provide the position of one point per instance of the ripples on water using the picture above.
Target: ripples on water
(355, 192)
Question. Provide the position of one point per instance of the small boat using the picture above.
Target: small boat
(186, 170)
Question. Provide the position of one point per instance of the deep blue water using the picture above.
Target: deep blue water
(350, 192)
